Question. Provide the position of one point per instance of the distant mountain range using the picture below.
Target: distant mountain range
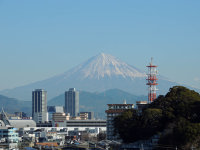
(99, 73)
(97, 102)
(12, 105)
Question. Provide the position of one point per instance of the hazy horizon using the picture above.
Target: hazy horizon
(41, 39)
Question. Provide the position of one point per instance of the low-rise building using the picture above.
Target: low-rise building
(83, 116)
(10, 134)
(54, 109)
(9, 138)
(141, 105)
(88, 115)
(60, 119)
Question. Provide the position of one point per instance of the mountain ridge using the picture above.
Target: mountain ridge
(103, 65)
(97, 101)
(89, 101)
(97, 74)
(12, 105)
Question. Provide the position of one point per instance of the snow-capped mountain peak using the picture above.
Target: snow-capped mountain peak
(105, 65)
(99, 73)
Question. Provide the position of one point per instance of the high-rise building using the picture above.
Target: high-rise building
(39, 105)
(72, 102)
(113, 111)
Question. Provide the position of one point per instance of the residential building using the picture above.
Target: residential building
(113, 111)
(72, 102)
(83, 116)
(141, 105)
(10, 134)
(39, 105)
(60, 119)
(88, 115)
(9, 138)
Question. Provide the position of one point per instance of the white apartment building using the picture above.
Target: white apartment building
(113, 111)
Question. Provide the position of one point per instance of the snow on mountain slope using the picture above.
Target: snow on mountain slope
(104, 65)
(97, 74)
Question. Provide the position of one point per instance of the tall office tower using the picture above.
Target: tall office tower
(72, 102)
(39, 106)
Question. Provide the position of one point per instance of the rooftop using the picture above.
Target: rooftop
(120, 104)
(22, 123)
(115, 111)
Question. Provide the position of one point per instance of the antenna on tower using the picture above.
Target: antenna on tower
(152, 81)
(124, 102)
(151, 61)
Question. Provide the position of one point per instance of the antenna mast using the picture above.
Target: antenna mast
(152, 81)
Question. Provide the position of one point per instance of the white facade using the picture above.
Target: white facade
(40, 117)
(67, 129)
(10, 134)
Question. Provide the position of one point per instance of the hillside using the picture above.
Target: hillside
(174, 118)
(97, 102)
(11, 105)
(97, 74)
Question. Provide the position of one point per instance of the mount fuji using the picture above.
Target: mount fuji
(97, 74)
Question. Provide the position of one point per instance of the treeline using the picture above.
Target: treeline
(175, 117)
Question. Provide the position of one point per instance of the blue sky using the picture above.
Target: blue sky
(40, 39)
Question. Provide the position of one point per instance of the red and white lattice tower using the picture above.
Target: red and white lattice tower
(152, 81)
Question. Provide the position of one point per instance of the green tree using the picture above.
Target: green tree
(176, 116)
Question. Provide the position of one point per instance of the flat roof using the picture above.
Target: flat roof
(22, 123)
(120, 104)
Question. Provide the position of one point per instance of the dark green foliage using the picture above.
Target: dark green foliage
(176, 116)
(183, 135)
(132, 125)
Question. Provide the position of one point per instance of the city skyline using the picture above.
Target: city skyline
(42, 39)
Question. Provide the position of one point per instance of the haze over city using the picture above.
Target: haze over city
(40, 39)
(112, 75)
